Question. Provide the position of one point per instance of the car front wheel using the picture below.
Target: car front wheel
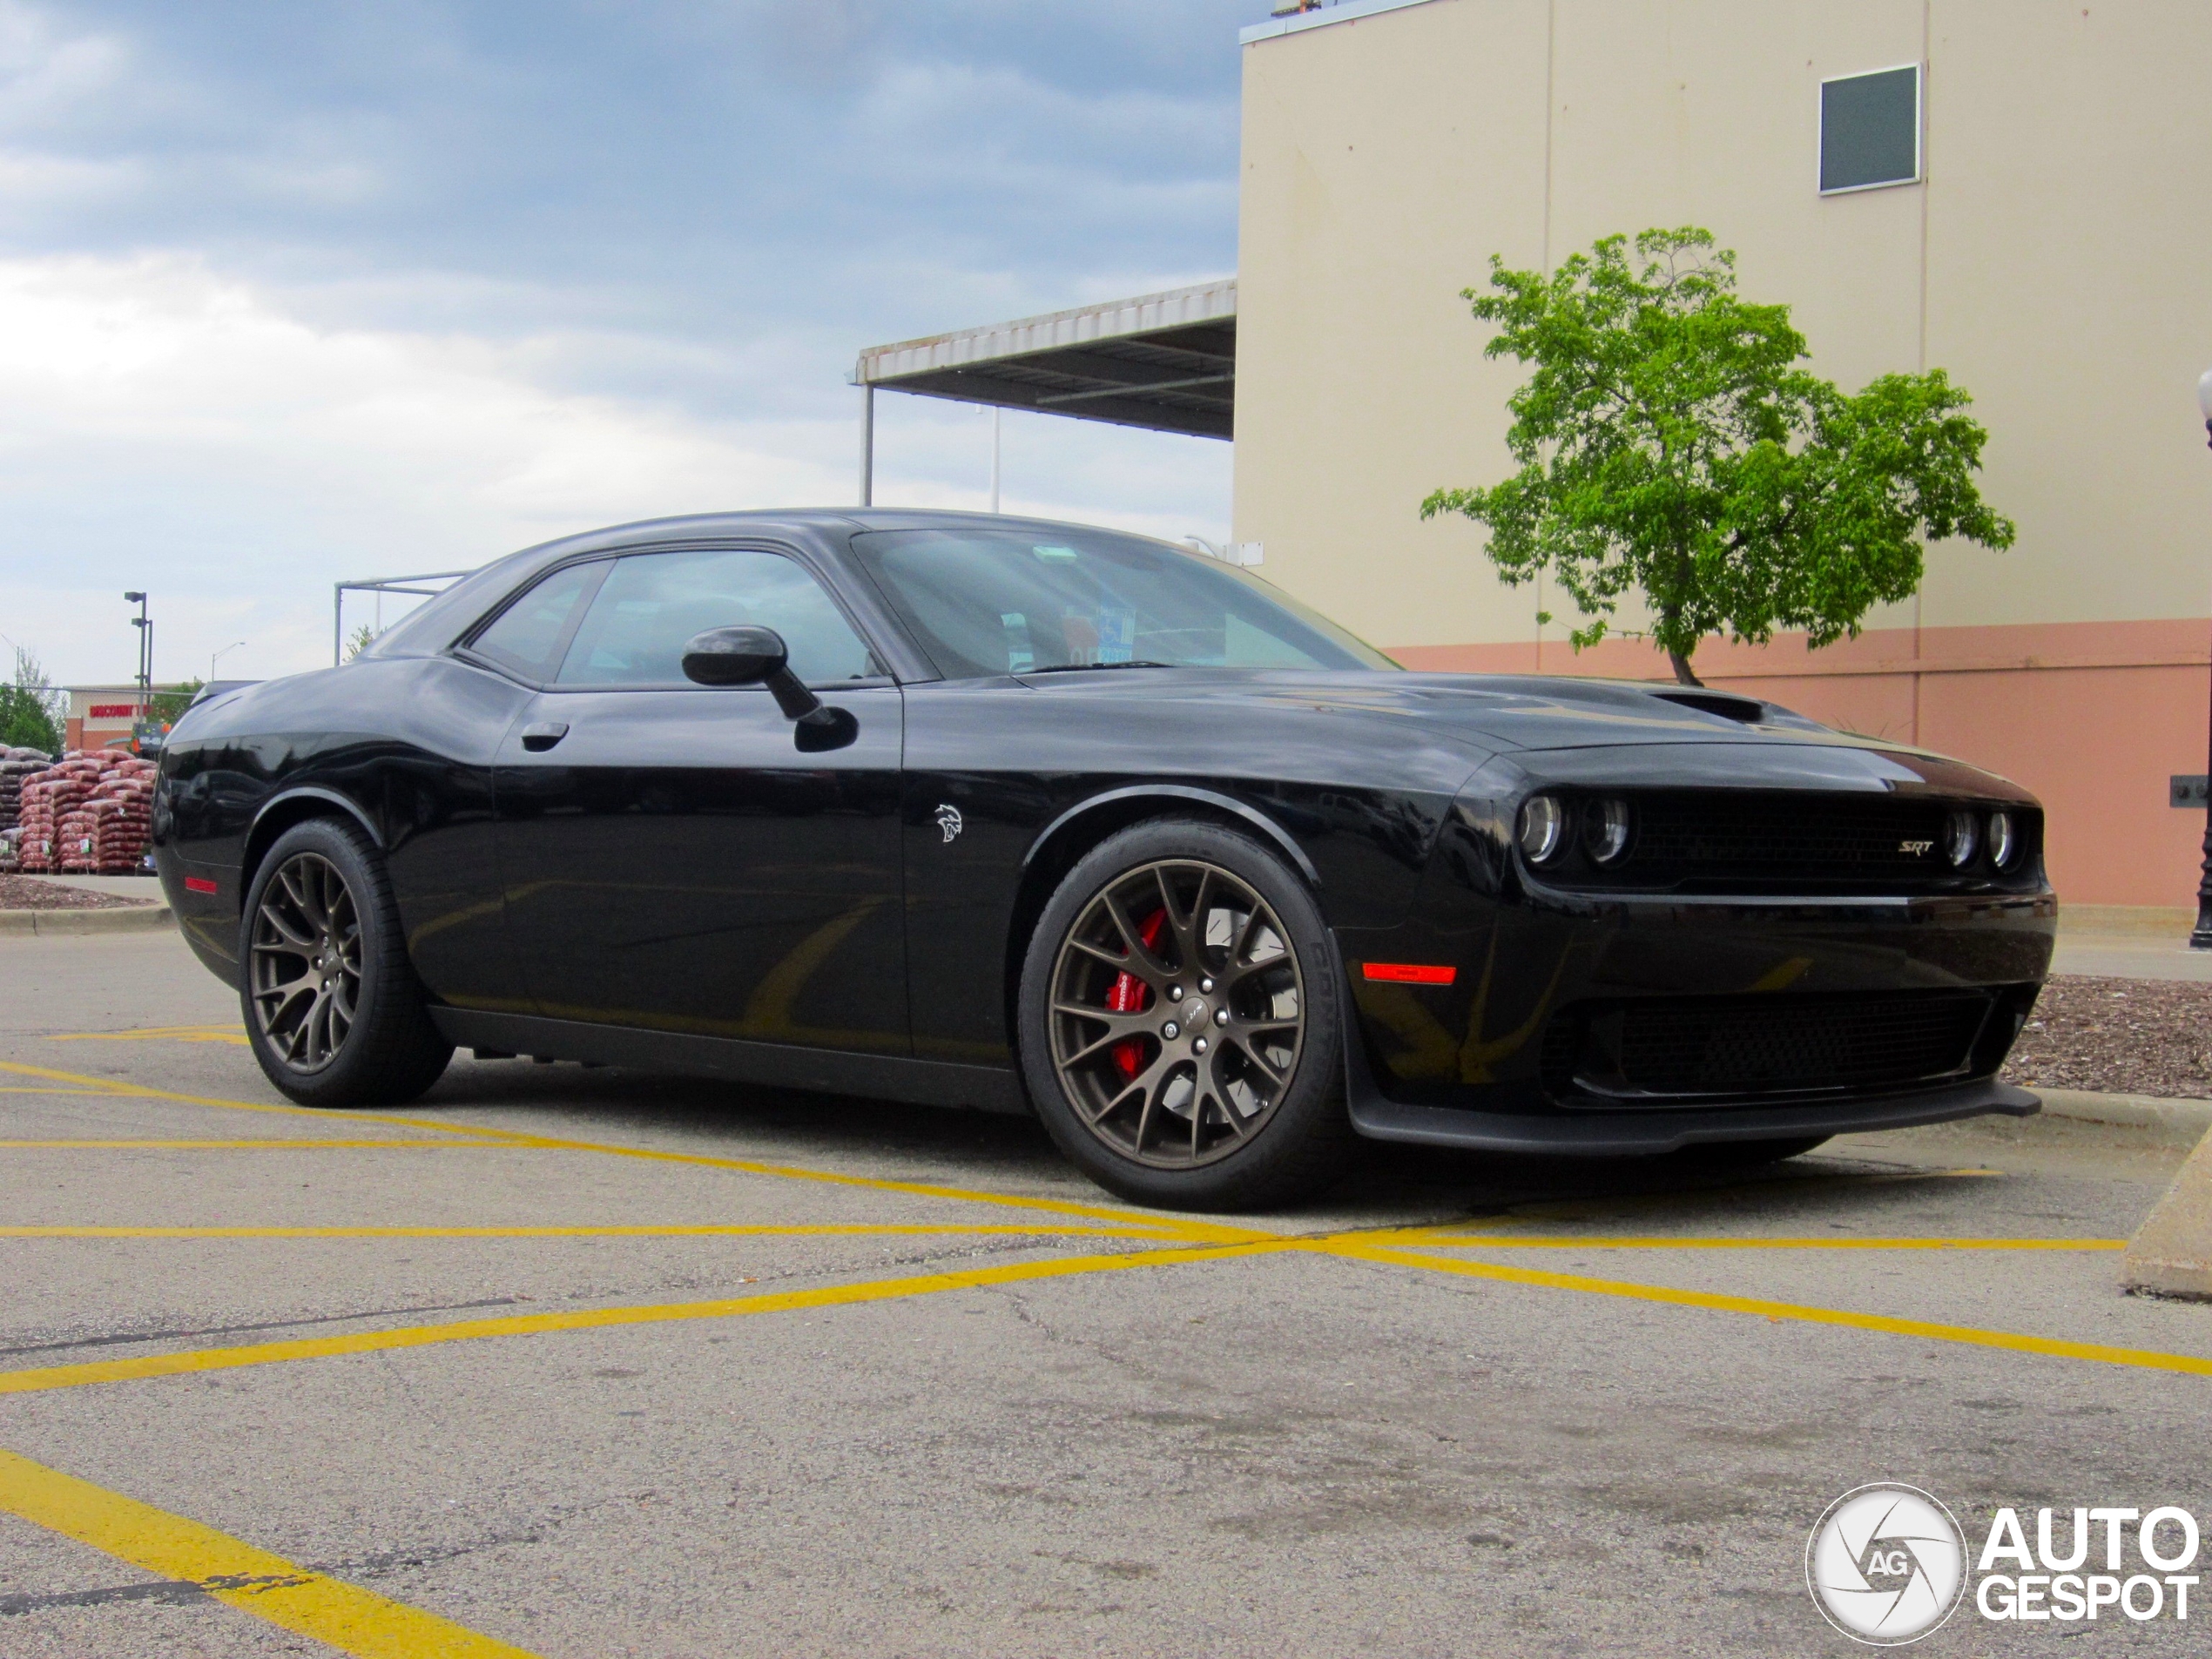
(1181, 1023)
(333, 1009)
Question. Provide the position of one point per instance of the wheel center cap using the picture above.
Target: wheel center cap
(1193, 1012)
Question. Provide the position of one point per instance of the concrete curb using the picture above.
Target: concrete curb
(2190, 1117)
(2171, 1252)
(136, 919)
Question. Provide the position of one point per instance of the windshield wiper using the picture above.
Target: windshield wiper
(1076, 667)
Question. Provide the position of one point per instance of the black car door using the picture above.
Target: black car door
(670, 858)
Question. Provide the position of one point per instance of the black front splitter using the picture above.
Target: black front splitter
(1628, 1133)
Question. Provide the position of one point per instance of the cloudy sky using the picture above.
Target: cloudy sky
(293, 293)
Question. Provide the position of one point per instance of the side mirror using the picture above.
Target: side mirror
(752, 656)
(734, 656)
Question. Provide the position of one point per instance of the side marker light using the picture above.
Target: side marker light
(1411, 973)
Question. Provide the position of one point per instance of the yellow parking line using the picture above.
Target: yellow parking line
(292, 1144)
(123, 1088)
(2144, 1358)
(1351, 1246)
(45, 1378)
(1197, 1230)
(1209, 1231)
(346, 1617)
(157, 1033)
(1603, 1241)
(677, 1229)
(1590, 1208)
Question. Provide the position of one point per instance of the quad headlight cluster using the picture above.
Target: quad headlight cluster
(1548, 829)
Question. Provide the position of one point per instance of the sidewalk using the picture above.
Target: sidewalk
(2116, 941)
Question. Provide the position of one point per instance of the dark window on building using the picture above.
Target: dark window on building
(1870, 130)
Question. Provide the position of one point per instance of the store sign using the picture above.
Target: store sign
(111, 710)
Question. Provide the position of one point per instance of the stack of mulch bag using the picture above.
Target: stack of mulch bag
(106, 835)
(87, 812)
(46, 795)
(15, 765)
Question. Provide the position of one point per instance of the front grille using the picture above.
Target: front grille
(1709, 834)
(1720, 1046)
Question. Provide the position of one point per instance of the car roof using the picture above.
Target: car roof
(824, 530)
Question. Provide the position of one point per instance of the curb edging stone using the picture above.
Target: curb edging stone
(2192, 1117)
(135, 919)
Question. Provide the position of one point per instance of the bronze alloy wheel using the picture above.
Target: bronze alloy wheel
(1178, 1014)
(305, 971)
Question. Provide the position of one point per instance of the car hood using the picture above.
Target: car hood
(1492, 712)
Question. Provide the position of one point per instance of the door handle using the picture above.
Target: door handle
(540, 738)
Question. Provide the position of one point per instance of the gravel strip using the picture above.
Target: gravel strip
(2121, 1036)
(28, 893)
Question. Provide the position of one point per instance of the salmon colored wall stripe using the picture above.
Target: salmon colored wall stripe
(2091, 717)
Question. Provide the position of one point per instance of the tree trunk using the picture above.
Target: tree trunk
(1683, 675)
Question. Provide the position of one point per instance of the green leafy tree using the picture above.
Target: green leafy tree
(1669, 443)
(167, 707)
(359, 641)
(30, 710)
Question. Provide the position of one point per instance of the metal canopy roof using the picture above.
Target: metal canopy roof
(1163, 360)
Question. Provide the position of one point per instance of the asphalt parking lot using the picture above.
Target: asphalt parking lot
(585, 1363)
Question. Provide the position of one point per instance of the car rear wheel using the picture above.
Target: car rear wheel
(333, 1009)
(1181, 1024)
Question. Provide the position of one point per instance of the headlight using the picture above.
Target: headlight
(2003, 840)
(1961, 837)
(1605, 830)
(1543, 828)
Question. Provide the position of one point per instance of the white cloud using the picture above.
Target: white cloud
(165, 427)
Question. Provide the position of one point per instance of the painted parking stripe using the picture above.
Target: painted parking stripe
(158, 1033)
(1659, 1241)
(46, 1378)
(308, 1603)
(644, 1230)
(1044, 1230)
(1261, 1243)
(2143, 1359)
(1351, 1246)
(1205, 1230)
(277, 1143)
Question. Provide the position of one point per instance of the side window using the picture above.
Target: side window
(652, 603)
(527, 636)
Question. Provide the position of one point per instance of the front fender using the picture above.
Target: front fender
(1115, 801)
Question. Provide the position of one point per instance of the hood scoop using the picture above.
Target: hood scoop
(1745, 711)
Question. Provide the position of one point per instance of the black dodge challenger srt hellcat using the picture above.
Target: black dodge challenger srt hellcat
(987, 811)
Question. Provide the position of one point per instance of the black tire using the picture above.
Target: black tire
(1264, 1112)
(334, 1011)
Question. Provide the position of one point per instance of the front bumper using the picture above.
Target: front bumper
(1643, 1132)
(1464, 1063)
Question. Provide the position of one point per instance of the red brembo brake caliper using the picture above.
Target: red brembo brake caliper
(1129, 994)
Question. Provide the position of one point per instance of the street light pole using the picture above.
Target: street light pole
(2201, 935)
(219, 655)
(143, 624)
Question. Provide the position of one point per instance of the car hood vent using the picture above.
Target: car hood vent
(1746, 710)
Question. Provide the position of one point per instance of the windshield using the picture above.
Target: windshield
(986, 602)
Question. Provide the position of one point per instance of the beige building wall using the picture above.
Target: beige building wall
(2056, 260)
